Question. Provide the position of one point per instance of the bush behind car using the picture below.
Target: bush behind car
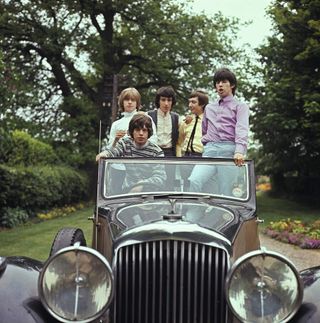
(33, 180)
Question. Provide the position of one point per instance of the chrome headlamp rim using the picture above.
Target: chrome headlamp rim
(265, 252)
(75, 248)
(3, 263)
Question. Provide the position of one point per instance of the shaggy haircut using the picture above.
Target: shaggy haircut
(224, 74)
(129, 93)
(167, 92)
(140, 121)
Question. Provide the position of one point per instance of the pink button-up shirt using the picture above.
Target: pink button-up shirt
(226, 120)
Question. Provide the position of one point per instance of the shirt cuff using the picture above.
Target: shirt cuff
(241, 149)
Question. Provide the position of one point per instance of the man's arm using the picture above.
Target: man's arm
(241, 134)
(117, 151)
(181, 139)
(154, 137)
(157, 178)
(204, 123)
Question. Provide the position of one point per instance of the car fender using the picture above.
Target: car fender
(19, 301)
(309, 311)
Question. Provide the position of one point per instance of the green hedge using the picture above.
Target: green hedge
(31, 179)
(40, 188)
(28, 151)
(6, 144)
(10, 217)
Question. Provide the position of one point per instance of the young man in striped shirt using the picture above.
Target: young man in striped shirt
(139, 179)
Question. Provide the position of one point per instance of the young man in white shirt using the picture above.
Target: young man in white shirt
(166, 121)
(129, 103)
(167, 125)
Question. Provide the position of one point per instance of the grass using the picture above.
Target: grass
(272, 209)
(34, 240)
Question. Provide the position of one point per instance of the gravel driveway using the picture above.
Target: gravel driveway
(302, 258)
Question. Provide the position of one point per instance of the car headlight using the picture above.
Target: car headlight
(264, 286)
(3, 264)
(76, 284)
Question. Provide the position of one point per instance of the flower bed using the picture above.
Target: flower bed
(304, 235)
(59, 212)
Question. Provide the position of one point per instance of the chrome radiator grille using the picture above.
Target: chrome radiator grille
(170, 282)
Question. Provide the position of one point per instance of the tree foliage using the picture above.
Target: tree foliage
(60, 57)
(286, 118)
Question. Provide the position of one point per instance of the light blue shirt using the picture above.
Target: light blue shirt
(226, 120)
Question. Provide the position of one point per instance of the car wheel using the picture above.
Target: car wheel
(67, 237)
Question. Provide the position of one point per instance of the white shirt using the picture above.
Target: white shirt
(164, 129)
(123, 124)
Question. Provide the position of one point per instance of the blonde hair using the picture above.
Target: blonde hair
(129, 93)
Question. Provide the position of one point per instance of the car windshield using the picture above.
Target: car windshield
(203, 176)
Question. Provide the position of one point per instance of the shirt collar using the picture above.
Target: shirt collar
(140, 146)
(128, 114)
(162, 114)
(226, 99)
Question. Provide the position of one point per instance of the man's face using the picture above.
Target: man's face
(194, 106)
(129, 105)
(165, 104)
(224, 88)
(140, 136)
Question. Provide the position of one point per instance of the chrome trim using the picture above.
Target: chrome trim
(75, 247)
(3, 263)
(167, 230)
(174, 282)
(175, 161)
(264, 252)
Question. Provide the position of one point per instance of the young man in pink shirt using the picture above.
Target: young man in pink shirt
(225, 127)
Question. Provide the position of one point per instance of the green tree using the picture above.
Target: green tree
(286, 117)
(64, 54)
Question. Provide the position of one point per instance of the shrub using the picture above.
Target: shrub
(31, 181)
(41, 188)
(11, 217)
(28, 151)
(5, 145)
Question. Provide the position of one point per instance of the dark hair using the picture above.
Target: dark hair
(202, 97)
(165, 91)
(139, 121)
(223, 74)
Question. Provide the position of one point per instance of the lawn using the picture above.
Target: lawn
(272, 210)
(34, 240)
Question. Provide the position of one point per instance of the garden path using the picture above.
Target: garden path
(302, 258)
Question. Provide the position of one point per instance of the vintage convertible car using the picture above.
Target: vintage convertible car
(163, 251)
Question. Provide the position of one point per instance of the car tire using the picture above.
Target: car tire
(67, 237)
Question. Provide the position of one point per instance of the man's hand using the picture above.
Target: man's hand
(188, 119)
(238, 159)
(102, 154)
(120, 134)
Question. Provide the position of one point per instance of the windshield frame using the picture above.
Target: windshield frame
(103, 163)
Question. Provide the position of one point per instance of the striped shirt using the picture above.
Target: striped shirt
(123, 124)
(148, 174)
